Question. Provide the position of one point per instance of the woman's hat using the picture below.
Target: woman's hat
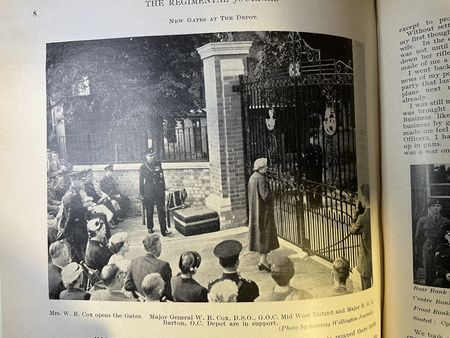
(189, 261)
(260, 163)
(70, 273)
(119, 237)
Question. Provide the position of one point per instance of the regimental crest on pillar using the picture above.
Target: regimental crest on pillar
(294, 69)
(270, 122)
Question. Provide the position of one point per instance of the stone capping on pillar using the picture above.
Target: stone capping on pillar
(223, 63)
(224, 48)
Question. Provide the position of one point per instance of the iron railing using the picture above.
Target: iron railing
(114, 147)
(188, 144)
(303, 121)
(316, 216)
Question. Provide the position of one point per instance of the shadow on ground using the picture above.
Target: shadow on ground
(311, 274)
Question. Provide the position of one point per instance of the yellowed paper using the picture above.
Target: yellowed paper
(26, 29)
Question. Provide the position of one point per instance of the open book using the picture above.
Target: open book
(297, 154)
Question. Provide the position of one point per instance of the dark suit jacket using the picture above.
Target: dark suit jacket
(109, 185)
(141, 267)
(188, 290)
(55, 285)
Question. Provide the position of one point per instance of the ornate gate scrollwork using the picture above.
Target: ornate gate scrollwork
(302, 120)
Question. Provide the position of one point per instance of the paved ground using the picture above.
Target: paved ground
(312, 274)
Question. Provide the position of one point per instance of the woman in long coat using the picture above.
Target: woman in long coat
(263, 234)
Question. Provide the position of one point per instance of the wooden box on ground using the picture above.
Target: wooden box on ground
(196, 220)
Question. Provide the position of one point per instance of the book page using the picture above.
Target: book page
(194, 151)
(415, 97)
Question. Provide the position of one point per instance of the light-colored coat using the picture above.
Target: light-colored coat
(362, 227)
(263, 234)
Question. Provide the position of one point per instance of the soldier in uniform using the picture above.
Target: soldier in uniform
(313, 171)
(110, 188)
(430, 231)
(60, 187)
(74, 223)
(442, 263)
(228, 253)
(152, 189)
(92, 191)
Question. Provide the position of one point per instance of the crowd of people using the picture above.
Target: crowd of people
(73, 199)
(107, 275)
(88, 261)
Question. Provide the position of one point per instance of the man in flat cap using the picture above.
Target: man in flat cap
(152, 189)
(429, 235)
(228, 253)
(73, 222)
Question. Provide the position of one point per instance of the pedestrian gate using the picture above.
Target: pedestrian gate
(304, 123)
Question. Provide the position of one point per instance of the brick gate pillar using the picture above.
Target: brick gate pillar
(223, 62)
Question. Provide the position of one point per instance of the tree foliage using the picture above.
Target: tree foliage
(134, 81)
(130, 80)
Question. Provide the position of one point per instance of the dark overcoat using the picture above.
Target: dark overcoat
(188, 290)
(263, 234)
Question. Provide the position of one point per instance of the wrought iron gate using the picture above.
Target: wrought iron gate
(304, 123)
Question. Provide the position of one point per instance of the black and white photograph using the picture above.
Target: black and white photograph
(225, 167)
(430, 203)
